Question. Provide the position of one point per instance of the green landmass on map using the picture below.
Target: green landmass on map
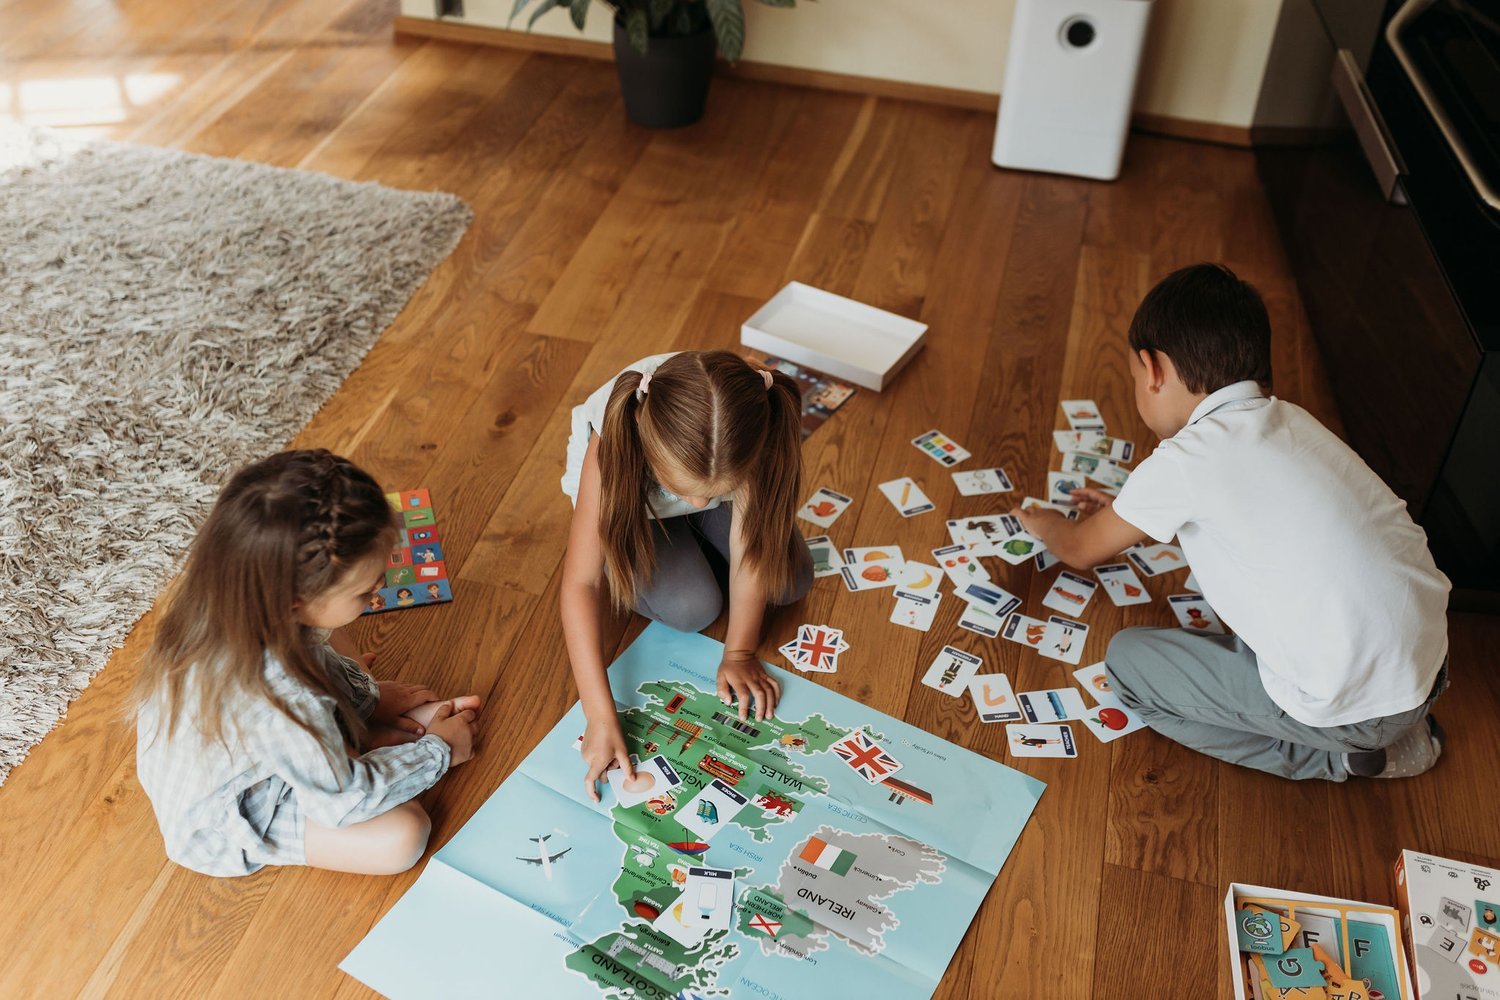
(702, 739)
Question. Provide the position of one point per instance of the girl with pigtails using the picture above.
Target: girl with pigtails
(262, 738)
(681, 462)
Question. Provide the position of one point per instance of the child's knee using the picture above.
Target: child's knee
(1126, 651)
(691, 610)
(404, 838)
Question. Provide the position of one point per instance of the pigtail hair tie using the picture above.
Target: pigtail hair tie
(640, 391)
(765, 373)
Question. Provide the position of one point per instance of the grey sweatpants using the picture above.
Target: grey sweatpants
(1204, 692)
(684, 592)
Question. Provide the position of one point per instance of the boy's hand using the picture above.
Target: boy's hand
(1092, 501)
(396, 700)
(742, 675)
(1036, 519)
(457, 729)
(603, 748)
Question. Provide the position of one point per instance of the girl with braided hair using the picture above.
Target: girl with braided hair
(685, 473)
(258, 743)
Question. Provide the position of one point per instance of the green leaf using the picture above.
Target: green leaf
(580, 11)
(779, 3)
(729, 26)
(545, 6)
(637, 30)
(682, 21)
(659, 11)
(516, 10)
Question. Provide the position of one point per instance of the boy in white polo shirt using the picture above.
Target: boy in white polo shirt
(1340, 615)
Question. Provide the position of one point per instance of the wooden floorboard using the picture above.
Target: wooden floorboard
(594, 243)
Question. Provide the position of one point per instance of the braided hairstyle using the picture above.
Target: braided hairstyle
(284, 531)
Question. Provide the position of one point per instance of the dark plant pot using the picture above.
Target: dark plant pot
(668, 86)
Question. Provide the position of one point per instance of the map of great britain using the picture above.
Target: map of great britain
(841, 883)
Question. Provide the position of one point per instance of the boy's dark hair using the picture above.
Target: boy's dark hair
(1211, 324)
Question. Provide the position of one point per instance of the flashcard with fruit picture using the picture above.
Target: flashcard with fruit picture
(415, 572)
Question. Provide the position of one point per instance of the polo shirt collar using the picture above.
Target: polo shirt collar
(1248, 389)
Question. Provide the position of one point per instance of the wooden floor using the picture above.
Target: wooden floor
(595, 243)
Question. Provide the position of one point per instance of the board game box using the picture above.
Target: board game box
(1450, 913)
(416, 572)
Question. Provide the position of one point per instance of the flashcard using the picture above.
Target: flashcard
(993, 698)
(1194, 614)
(919, 581)
(1036, 503)
(1025, 630)
(1321, 929)
(711, 809)
(987, 597)
(1045, 560)
(872, 566)
(907, 497)
(940, 448)
(1054, 705)
(1082, 414)
(1094, 680)
(959, 533)
(915, 612)
(1370, 957)
(1110, 477)
(1018, 547)
(673, 923)
(1111, 720)
(1191, 583)
(1122, 585)
(980, 622)
(868, 758)
(980, 481)
(1070, 592)
(951, 672)
(1063, 639)
(1040, 741)
(709, 898)
(825, 507)
(825, 556)
(1095, 443)
(1452, 913)
(1153, 560)
(960, 563)
(1060, 486)
(652, 777)
(816, 648)
(1487, 916)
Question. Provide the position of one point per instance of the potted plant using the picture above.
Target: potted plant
(664, 50)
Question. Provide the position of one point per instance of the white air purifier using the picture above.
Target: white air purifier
(1069, 82)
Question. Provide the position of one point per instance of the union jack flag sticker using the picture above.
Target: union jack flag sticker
(869, 759)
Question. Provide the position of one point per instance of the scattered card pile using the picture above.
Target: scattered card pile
(1039, 723)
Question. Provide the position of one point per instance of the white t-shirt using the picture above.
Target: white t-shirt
(1303, 551)
(588, 418)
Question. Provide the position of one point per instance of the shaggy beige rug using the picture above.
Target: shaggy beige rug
(164, 318)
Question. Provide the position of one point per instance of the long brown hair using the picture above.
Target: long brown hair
(284, 529)
(711, 415)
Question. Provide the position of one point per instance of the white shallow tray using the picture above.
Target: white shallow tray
(837, 336)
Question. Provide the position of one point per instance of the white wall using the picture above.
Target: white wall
(1204, 59)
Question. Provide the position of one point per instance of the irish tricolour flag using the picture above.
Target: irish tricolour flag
(825, 855)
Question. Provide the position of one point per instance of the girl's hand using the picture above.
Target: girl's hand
(742, 675)
(603, 748)
(396, 700)
(457, 729)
